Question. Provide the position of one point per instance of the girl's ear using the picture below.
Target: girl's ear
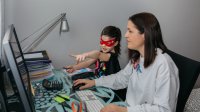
(116, 43)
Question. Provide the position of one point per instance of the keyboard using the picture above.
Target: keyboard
(90, 100)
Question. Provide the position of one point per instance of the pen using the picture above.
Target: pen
(80, 107)
(63, 107)
(73, 107)
(85, 107)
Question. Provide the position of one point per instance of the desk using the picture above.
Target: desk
(44, 101)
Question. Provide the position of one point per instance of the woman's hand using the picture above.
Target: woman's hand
(70, 68)
(113, 108)
(87, 83)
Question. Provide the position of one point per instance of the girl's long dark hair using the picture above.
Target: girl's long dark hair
(113, 32)
(148, 24)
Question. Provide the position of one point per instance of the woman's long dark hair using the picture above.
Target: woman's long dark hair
(148, 24)
(113, 32)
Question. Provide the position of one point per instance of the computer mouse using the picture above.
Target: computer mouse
(77, 86)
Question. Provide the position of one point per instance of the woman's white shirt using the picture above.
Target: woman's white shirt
(154, 89)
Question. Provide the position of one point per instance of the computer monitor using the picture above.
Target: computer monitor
(18, 67)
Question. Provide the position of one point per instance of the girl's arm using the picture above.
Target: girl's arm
(94, 55)
(98, 55)
(84, 64)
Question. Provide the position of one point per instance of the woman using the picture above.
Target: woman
(151, 76)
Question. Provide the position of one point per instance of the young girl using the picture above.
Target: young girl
(106, 60)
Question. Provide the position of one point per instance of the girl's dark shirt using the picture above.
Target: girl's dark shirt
(104, 68)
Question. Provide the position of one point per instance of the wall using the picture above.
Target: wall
(1, 24)
(179, 21)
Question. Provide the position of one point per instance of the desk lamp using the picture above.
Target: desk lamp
(64, 27)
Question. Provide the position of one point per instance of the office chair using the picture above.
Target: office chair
(188, 73)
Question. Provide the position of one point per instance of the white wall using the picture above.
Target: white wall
(179, 21)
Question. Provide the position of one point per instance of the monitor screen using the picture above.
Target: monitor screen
(18, 67)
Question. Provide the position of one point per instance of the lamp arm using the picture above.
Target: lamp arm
(43, 35)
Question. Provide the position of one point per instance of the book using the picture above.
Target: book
(37, 62)
(40, 74)
(36, 56)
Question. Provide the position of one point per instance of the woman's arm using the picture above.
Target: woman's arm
(114, 81)
(118, 80)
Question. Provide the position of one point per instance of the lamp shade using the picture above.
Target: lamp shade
(65, 26)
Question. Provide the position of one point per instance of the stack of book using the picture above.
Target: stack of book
(39, 65)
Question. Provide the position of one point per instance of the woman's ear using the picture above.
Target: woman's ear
(143, 36)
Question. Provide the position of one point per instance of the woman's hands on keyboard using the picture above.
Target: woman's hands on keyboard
(88, 83)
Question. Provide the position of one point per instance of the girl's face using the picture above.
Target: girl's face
(107, 44)
(135, 40)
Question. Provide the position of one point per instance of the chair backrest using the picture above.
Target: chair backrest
(188, 73)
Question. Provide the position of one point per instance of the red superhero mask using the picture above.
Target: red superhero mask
(108, 43)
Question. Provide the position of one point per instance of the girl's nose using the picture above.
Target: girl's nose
(103, 45)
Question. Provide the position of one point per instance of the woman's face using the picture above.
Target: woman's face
(104, 47)
(135, 40)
